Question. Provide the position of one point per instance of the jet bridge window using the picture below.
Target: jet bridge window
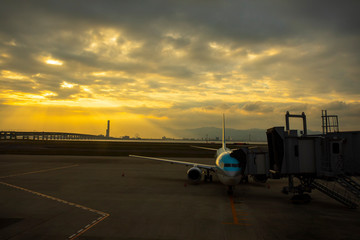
(336, 148)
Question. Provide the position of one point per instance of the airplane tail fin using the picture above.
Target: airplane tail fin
(223, 133)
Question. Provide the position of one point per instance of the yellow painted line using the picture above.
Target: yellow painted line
(81, 231)
(39, 171)
(235, 217)
(233, 210)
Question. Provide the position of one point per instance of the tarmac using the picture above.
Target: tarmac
(118, 197)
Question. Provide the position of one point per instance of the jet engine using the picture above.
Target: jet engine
(194, 174)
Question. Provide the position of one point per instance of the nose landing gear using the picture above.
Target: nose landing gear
(230, 190)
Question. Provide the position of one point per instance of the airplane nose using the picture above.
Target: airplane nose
(233, 173)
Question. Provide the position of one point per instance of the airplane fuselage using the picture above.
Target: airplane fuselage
(227, 168)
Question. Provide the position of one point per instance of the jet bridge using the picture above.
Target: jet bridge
(316, 160)
(254, 161)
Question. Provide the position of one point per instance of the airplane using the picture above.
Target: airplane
(229, 165)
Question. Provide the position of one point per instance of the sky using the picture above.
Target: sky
(154, 66)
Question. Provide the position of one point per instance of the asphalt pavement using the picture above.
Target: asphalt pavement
(97, 197)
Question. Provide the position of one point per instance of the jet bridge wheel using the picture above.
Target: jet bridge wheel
(306, 183)
(305, 186)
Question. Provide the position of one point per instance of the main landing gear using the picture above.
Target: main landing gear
(208, 176)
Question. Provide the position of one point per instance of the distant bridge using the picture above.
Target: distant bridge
(48, 136)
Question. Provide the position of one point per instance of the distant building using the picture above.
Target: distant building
(108, 129)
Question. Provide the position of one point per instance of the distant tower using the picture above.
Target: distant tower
(108, 129)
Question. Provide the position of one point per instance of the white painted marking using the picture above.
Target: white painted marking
(82, 230)
(40, 171)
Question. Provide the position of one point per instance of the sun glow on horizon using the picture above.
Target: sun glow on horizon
(81, 120)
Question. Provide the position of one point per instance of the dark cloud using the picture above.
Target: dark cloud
(258, 107)
(202, 52)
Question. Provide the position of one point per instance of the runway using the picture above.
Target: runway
(96, 197)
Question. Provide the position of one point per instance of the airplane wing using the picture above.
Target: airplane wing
(206, 148)
(212, 149)
(199, 165)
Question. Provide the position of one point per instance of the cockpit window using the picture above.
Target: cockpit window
(231, 165)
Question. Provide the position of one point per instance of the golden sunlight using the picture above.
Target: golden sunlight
(81, 120)
(54, 62)
(11, 75)
(67, 85)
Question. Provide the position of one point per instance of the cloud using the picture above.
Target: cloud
(186, 60)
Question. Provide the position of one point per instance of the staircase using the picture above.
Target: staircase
(349, 184)
(344, 197)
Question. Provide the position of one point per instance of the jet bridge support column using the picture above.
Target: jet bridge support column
(303, 116)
